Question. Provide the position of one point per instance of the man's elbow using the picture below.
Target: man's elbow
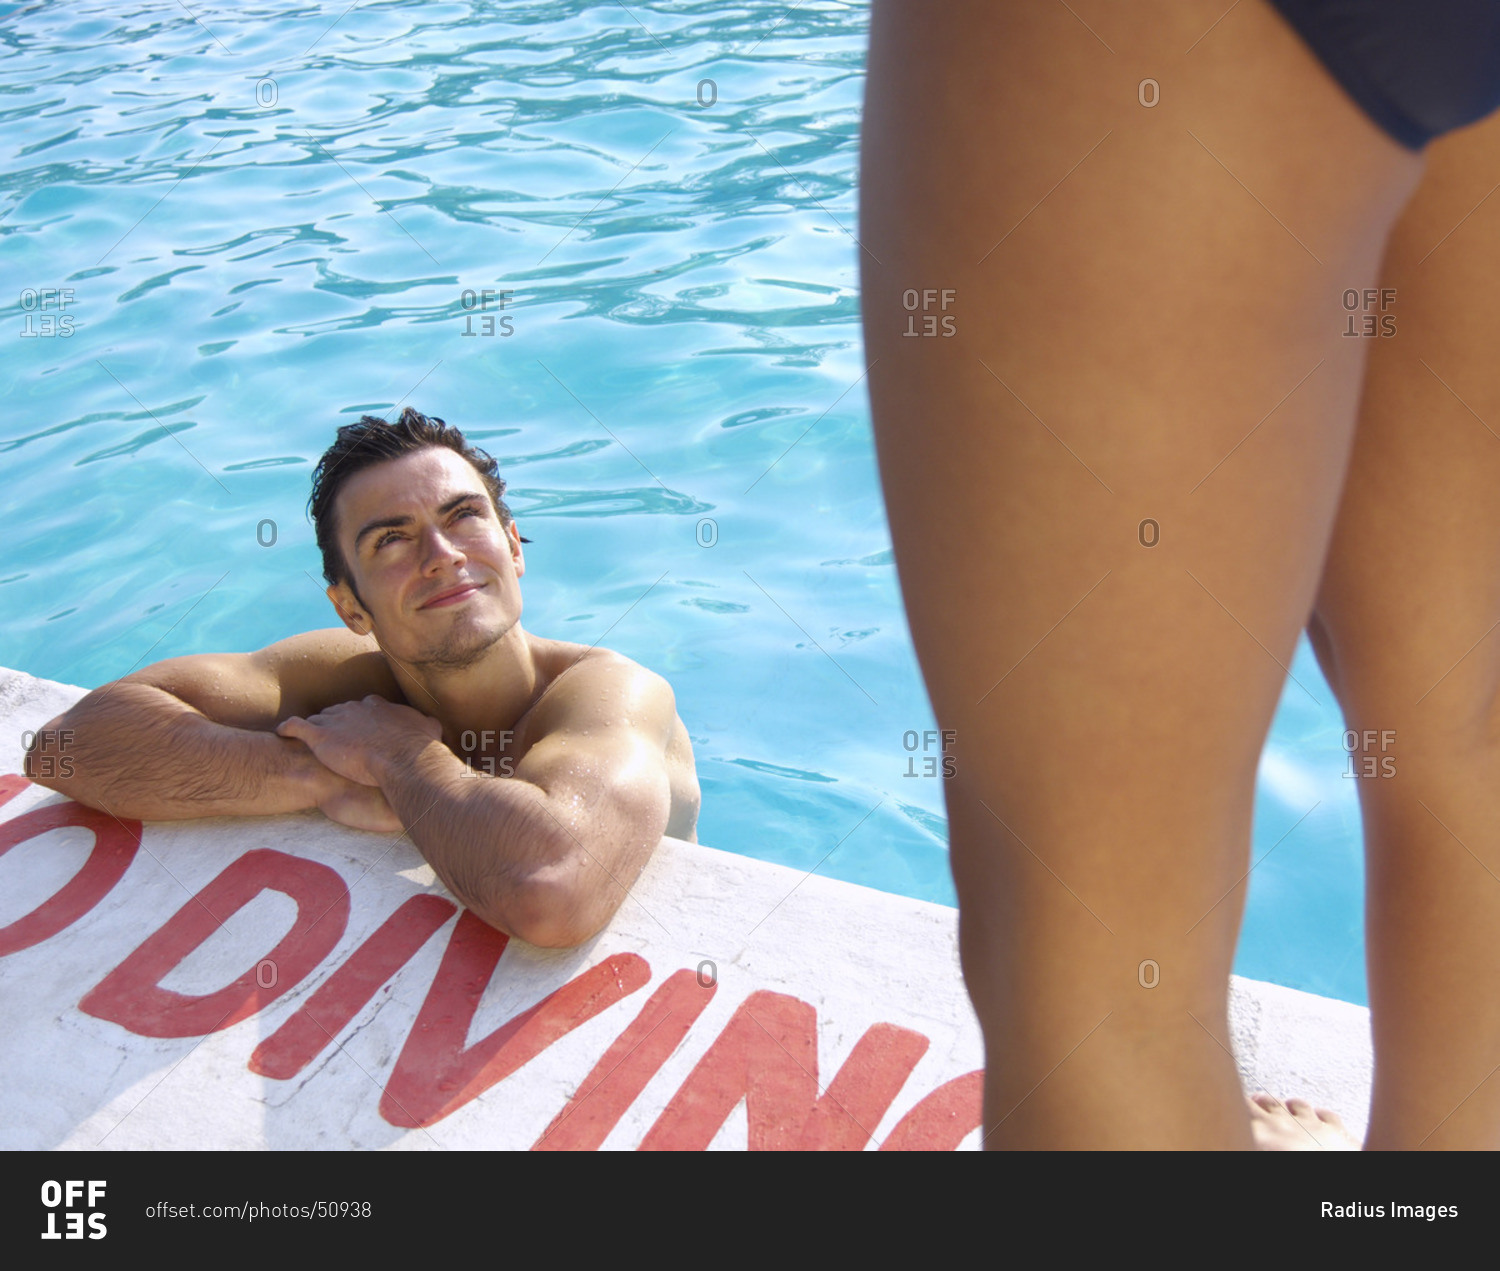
(546, 911)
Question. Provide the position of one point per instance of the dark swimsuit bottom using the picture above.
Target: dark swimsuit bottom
(1418, 68)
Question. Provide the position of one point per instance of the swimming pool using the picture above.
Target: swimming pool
(611, 244)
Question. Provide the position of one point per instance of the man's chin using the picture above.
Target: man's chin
(461, 649)
(470, 631)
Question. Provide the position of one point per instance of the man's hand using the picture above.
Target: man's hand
(359, 807)
(354, 738)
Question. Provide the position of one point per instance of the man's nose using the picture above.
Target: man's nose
(438, 548)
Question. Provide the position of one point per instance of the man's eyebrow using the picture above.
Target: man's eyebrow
(395, 522)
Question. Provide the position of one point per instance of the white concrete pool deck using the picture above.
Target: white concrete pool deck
(284, 982)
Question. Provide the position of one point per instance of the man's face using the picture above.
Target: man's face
(434, 566)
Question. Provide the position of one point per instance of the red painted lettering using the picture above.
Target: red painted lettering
(767, 1055)
(940, 1122)
(294, 1045)
(115, 844)
(636, 1056)
(436, 1074)
(131, 995)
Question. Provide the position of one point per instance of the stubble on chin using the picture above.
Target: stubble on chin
(459, 650)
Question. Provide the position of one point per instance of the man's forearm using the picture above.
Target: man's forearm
(136, 751)
(493, 842)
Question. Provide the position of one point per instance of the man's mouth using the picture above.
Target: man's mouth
(452, 596)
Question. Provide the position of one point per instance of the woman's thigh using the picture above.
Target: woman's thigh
(1112, 472)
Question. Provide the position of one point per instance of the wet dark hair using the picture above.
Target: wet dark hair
(373, 440)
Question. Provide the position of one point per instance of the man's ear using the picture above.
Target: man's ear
(513, 533)
(349, 609)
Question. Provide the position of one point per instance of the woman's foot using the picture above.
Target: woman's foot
(1296, 1126)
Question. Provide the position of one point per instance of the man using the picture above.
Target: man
(535, 776)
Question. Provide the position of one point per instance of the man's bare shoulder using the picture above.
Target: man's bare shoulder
(599, 688)
(327, 647)
(331, 665)
(300, 675)
(615, 712)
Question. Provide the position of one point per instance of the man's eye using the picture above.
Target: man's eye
(385, 538)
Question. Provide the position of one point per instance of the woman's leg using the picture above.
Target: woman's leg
(1111, 490)
(1406, 627)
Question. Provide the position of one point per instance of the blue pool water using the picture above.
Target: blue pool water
(266, 220)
